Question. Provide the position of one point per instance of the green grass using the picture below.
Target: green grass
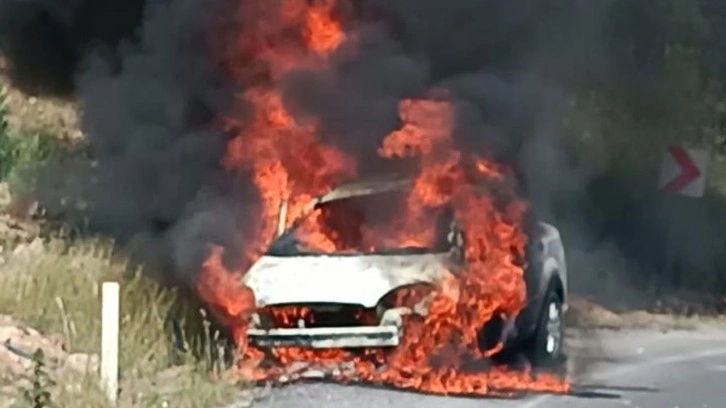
(24, 149)
(22, 155)
(56, 290)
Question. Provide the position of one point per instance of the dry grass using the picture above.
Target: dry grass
(586, 314)
(56, 290)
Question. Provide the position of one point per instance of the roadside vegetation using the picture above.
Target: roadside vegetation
(649, 74)
(50, 297)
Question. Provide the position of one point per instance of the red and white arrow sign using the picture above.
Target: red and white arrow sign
(684, 171)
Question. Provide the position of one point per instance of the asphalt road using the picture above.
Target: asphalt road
(644, 369)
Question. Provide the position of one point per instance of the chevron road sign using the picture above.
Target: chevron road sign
(683, 171)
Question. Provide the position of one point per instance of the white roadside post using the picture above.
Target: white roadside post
(109, 339)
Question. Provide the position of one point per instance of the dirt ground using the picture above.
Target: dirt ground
(19, 343)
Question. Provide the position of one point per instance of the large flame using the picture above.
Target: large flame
(286, 161)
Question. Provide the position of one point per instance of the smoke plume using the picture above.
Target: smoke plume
(45, 41)
(151, 87)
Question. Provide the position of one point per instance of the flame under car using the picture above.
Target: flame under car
(346, 298)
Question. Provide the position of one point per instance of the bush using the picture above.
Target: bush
(23, 151)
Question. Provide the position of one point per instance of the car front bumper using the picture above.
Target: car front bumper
(327, 337)
(387, 334)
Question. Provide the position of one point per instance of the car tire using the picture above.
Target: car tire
(545, 348)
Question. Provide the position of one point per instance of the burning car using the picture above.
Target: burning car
(348, 297)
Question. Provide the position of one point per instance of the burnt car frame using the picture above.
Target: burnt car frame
(339, 284)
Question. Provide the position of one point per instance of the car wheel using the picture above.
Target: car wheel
(546, 345)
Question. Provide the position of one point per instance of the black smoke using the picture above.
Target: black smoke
(151, 87)
(45, 41)
(494, 56)
(149, 91)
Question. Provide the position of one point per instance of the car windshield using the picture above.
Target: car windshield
(377, 223)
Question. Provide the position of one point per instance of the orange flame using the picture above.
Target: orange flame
(322, 32)
(282, 155)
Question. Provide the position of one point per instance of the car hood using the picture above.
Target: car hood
(348, 279)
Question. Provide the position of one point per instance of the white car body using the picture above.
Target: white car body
(359, 280)
(330, 281)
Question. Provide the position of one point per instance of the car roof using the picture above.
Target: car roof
(371, 186)
(366, 187)
(374, 185)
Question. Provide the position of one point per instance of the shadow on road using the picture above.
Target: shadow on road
(606, 391)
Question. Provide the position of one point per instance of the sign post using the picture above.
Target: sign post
(682, 174)
(109, 339)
